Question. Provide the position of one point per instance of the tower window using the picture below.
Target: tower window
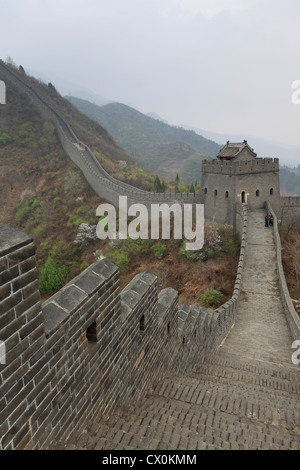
(257, 193)
(243, 197)
(216, 192)
(271, 191)
(205, 191)
(227, 194)
(91, 333)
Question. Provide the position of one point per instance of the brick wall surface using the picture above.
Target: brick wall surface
(90, 347)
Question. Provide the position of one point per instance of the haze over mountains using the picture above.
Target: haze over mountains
(288, 154)
(165, 149)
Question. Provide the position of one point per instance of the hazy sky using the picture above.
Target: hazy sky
(221, 65)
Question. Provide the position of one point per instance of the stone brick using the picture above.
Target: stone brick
(30, 289)
(89, 282)
(9, 275)
(105, 268)
(13, 327)
(6, 318)
(5, 291)
(27, 329)
(3, 264)
(28, 303)
(20, 255)
(54, 317)
(70, 299)
(12, 238)
(24, 280)
(27, 265)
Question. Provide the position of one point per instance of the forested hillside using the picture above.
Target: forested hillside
(164, 149)
(289, 181)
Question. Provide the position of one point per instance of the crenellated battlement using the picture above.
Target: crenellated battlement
(91, 347)
(239, 167)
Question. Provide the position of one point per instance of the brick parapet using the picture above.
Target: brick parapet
(90, 347)
(292, 316)
(239, 167)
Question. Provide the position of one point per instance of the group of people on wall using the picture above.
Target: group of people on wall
(269, 220)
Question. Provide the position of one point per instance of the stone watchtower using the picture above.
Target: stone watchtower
(236, 176)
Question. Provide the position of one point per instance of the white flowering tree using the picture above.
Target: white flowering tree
(86, 234)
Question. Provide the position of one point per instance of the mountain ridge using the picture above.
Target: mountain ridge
(152, 142)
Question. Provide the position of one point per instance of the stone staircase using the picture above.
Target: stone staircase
(246, 396)
(223, 404)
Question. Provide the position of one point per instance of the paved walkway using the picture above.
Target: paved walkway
(247, 396)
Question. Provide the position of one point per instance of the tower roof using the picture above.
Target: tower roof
(232, 150)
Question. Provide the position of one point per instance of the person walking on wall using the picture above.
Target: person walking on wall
(270, 220)
(267, 221)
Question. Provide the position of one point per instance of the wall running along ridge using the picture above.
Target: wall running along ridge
(102, 183)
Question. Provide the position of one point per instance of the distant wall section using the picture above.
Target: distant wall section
(107, 187)
(290, 211)
(292, 316)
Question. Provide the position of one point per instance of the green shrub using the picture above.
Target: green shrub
(233, 245)
(52, 277)
(83, 266)
(211, 298)
(123, 261)
(121, 258)
(60, 258)
(26, 209)
(74, 221)
(64, 254)
(4, 139)
(43, 251)
(159, 250)
(181, 250)
(38, 233)
(193, 255)
(142, 246)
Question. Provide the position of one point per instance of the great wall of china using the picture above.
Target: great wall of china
(91, 349)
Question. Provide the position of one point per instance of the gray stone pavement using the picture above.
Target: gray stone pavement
(246, 396)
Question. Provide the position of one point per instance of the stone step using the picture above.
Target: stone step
(185, 389)
(263, 407)
(170, 424)
(244, 401)
(268, 374)
(224, 403)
